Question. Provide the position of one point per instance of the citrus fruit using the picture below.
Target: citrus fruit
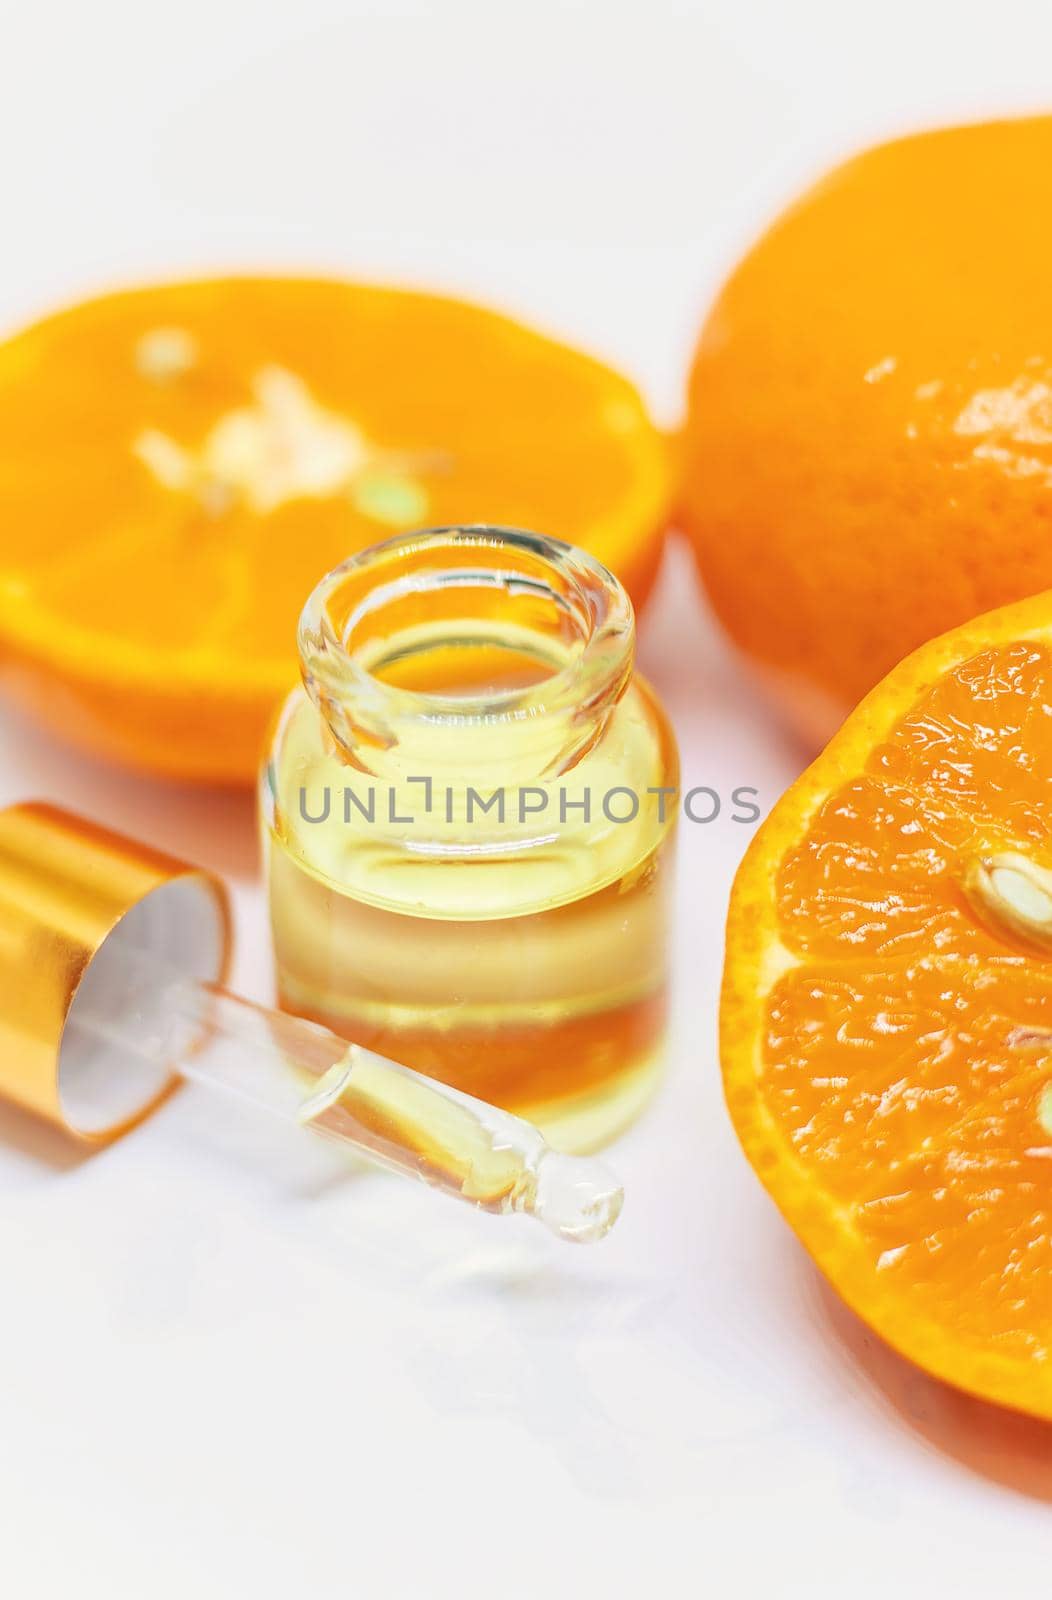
(181, 464)
(868, 450)
(886, 1019)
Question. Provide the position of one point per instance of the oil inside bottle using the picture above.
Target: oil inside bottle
(519, 953)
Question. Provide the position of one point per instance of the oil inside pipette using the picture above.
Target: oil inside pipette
(485, 1156)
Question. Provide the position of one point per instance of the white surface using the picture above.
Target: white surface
(227, 1369)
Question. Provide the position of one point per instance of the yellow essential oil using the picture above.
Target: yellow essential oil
(468, 817)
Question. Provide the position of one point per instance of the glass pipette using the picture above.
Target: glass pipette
(305, 1074)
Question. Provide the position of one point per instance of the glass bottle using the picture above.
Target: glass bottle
(468, 814)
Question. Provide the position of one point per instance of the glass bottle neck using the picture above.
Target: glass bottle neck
(488, 653)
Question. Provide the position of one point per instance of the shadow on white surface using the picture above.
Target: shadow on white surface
(1004, 1446)
(37, 1140)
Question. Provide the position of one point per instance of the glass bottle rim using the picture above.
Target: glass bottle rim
(590, 682)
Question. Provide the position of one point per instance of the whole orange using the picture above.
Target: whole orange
(868, 450)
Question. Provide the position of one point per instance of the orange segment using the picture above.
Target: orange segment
(886, 1022)
(181, 465)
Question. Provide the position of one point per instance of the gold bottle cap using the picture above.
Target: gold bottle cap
(65, 885)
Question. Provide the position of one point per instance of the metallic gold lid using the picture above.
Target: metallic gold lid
(65, 885)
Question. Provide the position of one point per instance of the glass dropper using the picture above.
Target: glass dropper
(135, 1002)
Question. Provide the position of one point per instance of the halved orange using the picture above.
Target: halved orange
(886, 1021)
(180, 465)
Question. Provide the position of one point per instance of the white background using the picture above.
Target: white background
(226, 1367)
